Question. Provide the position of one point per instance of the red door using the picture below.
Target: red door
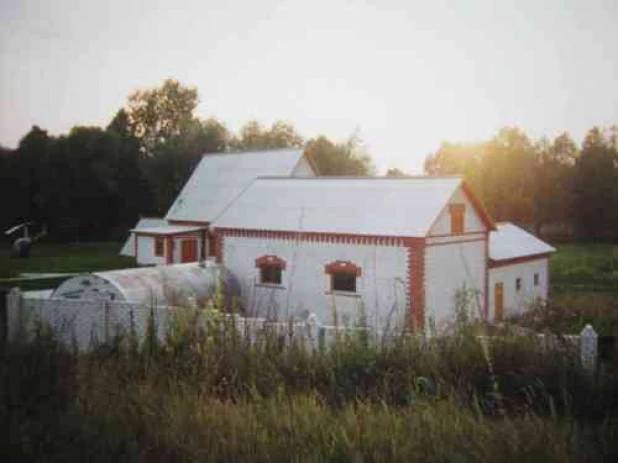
(188, 251)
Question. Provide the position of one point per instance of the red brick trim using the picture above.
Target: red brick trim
(340, 266)
(219, 247)
(316, 237)
(270, 261)
(191, 234)
(190, 223)
(169, 255)
(486, 283)
(416, 283)
(517, 260)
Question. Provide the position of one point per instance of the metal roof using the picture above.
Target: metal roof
(167, 284)
(510, 242)
(168, 230)
(220, 178)
(366, 206)
(128, 249)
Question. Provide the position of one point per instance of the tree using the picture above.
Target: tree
(596, 187)
(394, 172)
(338, 159)
(554, 166)
(171, 138)
(253, 136)
(156, 116)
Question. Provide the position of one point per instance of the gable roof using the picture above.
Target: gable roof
(219, 178)
(511, 242)
(366, 206)
(128, 249)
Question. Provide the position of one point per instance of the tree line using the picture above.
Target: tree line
(558, 189)
(94, 182)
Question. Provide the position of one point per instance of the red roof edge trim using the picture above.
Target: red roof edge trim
(493, 263)
(478, 205)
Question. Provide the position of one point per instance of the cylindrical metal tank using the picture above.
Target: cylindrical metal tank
(164, 285)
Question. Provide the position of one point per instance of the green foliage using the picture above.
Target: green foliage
(581, 268)
(550, 185)
(343, 159)
(210, 393)
(64, 258)
(253, 136)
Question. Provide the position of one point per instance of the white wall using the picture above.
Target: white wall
(305, 286)
(472, 222)
(303, 169)
(516, 302)
(448, 267)
(145, 252)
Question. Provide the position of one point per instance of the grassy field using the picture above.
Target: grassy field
(60, 258)
(584, 268)
(216, 396)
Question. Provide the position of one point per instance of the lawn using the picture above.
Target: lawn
(61, 258)
(584, 268)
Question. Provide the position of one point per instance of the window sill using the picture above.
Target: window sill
(343, 293)
(269, 285)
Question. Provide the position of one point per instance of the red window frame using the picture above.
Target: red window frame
(271, 269)
(343, 276)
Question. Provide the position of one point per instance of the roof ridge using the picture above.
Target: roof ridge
(253, 151)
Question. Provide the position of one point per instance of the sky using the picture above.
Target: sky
(407, 74)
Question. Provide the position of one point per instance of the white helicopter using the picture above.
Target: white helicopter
(23, 244)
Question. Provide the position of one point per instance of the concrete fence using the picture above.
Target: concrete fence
(84, 323)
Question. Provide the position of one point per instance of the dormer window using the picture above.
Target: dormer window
(271, 269)
(343, 276)
(457, 212)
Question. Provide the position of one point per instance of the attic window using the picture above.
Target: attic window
(271, 269)
(158, 251)
(457, 212)
(343, 276)
(518, 284)
(536, 279)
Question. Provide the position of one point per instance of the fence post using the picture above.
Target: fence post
(13, 312)
(313, 329)
(588, 344)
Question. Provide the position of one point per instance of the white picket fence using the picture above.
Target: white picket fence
(83, 323)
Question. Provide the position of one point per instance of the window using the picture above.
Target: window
(159, 246)
(457, 212)
(536, 279)
(271, 269)
(343, 276)
(517, 284)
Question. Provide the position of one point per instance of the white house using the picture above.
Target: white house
(380, 251)
(216, 181)
(518, 270)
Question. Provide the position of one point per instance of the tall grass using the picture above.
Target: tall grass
(212, 393)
